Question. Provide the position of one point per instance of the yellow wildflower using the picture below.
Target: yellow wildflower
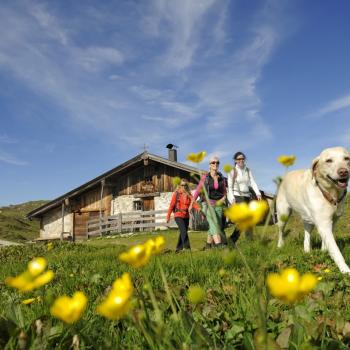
(28, 301)
(196, 157)
(222, 272)
(123, 284)
(117, 303)
(69, 309)
(37, 266)
(196, 294)
(155, 245)
(137, 256)
(43, 279)
(227, 168)
(289, 286)
(33, 277)
(246, 215)
(327, 270)
(286, 160)
(49, 246)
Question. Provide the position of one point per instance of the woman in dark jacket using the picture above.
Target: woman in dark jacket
(215, 185)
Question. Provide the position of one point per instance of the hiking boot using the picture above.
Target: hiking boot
(207, 246)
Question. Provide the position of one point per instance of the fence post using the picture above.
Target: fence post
(120, 223)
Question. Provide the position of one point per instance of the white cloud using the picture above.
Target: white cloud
(183, 75)
(333, 106)
(10, 159)
(98, 58)
(7, 139)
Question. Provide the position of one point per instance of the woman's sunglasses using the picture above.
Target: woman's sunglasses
(214, 162)
(240, 158)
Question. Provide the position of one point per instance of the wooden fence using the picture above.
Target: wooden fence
(135, 221)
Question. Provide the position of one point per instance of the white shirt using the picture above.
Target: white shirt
(240, 187)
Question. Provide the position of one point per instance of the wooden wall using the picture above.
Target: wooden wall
(150, 178)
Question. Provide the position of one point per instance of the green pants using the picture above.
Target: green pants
(214, 221)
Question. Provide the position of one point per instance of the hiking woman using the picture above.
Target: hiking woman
(241, 188)
(215, 185)
(180, 203)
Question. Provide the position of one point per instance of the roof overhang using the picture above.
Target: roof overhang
(96, 181)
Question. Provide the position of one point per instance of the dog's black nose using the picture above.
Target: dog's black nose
(343, 172)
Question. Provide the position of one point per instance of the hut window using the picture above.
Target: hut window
(148, 179)
(138, 205)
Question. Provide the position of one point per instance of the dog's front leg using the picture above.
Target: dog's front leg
(325, 230)
(307, 236)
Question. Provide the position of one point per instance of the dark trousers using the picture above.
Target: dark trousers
(236, 233)
(183, 242)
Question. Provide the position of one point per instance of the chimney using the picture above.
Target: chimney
(172, 152)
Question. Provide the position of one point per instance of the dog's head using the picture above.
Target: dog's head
(333, 165)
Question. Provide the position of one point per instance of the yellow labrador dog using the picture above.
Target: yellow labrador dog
(317, 195)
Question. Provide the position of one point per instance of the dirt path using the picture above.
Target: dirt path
(6, 243)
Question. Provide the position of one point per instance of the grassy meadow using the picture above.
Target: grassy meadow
(14, 226)
(235, 311)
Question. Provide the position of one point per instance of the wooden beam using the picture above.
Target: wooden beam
(62, 230)
(101, 199)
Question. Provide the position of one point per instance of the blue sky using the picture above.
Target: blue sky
(83, 86)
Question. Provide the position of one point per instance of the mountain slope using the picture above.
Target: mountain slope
(14, 226)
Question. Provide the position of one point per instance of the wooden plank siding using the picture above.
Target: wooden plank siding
(149, 178)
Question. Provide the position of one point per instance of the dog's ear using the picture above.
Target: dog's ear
(314, 165)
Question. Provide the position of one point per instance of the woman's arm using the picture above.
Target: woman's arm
(171, 206)
(230, 182)
(254, 185)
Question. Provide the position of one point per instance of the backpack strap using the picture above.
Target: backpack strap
(176, 209)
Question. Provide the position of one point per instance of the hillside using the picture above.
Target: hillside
(14, 226)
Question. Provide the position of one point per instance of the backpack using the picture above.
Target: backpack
(176, 209)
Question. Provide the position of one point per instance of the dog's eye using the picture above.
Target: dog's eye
(346, 158)
(329, 160)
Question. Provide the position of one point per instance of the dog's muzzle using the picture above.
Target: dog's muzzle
(341, 182)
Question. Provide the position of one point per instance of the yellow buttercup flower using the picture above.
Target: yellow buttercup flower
(123, 284)
(34, 277)
(246, 215)
(327, 270)
(43, 279)
(28, 301)
(196, 294)
(117, 303)
(227, 168)
(156, 245)
(196, 157)
(49, 246)
(137, 256)
(69, 309)
(289, 286)
(286, 160)
(37, 266)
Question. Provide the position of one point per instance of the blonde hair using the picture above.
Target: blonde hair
(186, 188)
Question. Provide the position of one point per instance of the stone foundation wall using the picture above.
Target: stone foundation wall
(52, 224)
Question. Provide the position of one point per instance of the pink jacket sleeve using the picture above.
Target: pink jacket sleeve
(199, 187)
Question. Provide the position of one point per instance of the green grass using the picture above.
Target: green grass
(227, 319)
(14, 226)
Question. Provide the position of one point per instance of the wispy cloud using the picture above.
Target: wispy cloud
(7, 139)
(332, 106)
(183, 69)
(10, 159)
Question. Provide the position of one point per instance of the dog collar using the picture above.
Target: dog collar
(328, 196)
